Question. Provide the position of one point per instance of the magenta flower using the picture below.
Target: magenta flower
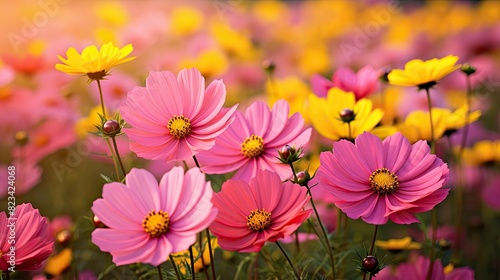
(251, 214)
(362, 83)
(252, 141)
(175, 118)
(28, 233)
(381, 180)
(148, 221)
(418, 270)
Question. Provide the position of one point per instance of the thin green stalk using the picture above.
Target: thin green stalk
(101, 98)
(372, 247)
(118, 155)
(288, 260)
(175, 268)
(429, 104)
(191, 258)
(113, 156)
(160, 276)
(202, 249)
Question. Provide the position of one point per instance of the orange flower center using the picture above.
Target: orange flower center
(383, 181)
(156, 223)
(258, 220)
(253, 146)
(179, 126)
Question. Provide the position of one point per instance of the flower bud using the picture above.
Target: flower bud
(268, 66)
(468, 69)
(347, 115)
(111, 128)
(64, 237)
(303, 178)
(385, 74)
(97, 222)
(21, 138)
(370, 264)
(289, 154)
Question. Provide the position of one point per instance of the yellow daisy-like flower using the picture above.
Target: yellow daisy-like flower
(423, 74)
(93, 62)
(182, 259)
(294, 90)
(459, 118)
(398, 245)
(484, 152)
(417, 127)
(57, 263)
(324, 115)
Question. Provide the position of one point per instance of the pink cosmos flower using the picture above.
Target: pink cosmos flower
(252, 141)
(33, 242)
(251, 214)
(175, 118)
(362, 83)
(148, 221)
(381, 180)
(418, 270)
(28, 175)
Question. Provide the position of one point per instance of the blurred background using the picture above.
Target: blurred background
(59, 162)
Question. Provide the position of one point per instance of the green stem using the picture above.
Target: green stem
(202, 249)
(467, 117)
(160, 276)
(101, 98)
(289, 261)
(433, 139)
(296, 180)
(118, 155)
(113, 156)
(175, 268)
(372, 247)
(349, 133)
(191, 257)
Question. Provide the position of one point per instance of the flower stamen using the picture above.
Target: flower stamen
(383, 181)
(253, 146)
(258, 220)
(179, 126)
(156, 223)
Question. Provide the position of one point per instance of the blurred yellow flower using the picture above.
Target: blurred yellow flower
(417, 127)
(458, 118)
(185, 20)
(57, 263)
(325, 114)
(483, 152)
(292, 89)
(182, 259)
(398, 245)
(423, 74)
(86, 125)
(211, 63)
(313, 59)
(112, 13)
(234, 42)
(93, 62)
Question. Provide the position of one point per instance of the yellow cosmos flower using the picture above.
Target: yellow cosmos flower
(417, 127)
(398, 245)
(182, 259)
(56, 264)
(211, 63)
(459, 118)
(292, 89)
(186, 20)
(484, 152)
(423, 74)
(325, 114)
(93, 62)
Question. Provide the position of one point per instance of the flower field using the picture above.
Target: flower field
(235, 139)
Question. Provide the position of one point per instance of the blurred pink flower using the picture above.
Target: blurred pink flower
(114, 90)
(362, 83)
(26, 64)
(59, 224)
(417, 270)
(491, 192)
(381, 180)
(33, 242)
(28, 175)
(252, 141)
(175, 118)
(264, 210)
(148, 221)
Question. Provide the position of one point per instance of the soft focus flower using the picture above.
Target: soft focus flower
(28, 175)
(175, 118)
(482, 153)
(33, 242)
(458, 118)
(252, 141)
(415, 129)
(186, 20)
(362, 83)
(325, 115)
(423, 74)
(93, 62)
(398, 245)
(417, 270)
(293, 90)
(210, 63)
(56, 264)
(182, 259)
(264, 210)
(381, 180)
(148, 221)
(491, 192)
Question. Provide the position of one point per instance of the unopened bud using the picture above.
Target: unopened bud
(21, 138)
(64, 237)
(384, 76)
(370, 263)
(111, 128)
(97, 222)
(289, 154)
(268, 66)
(468, 69)
(347, 115)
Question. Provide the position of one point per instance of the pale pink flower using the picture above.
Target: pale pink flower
(30, 232)
(27, 176)
(263, 210)
(417, 270)
(175, 118)
(251, 142)
(381, 180)
(362, 83)
(148, 221)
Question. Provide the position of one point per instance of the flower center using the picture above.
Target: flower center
(97, 75)
(156, 223)
(383, 181)
(253, 146)
(179, 126)
(258, 220)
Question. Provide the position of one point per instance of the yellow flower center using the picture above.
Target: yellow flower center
(383, 181)
(179, 126)
(156, 223)
(253, 146)
(258, 220)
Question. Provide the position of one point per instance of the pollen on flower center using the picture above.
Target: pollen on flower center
(179, 126)
(253, 146)
(156, 223)
(258, 220)
(383, 181)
